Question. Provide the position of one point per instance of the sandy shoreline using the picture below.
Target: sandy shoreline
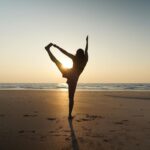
(37, 120)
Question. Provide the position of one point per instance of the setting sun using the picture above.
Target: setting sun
(67, 64)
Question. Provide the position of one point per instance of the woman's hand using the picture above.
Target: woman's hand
(87, 38)
(55, 45)
(48, 46)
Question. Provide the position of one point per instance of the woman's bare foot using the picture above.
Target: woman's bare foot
(48, 46)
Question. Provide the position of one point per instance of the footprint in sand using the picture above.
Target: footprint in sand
(93, 116)
(23, 131)
(43, 137)
(96, 135)
(29, 115)
(51, 119)
(121, 122)
(105, 140)
(2, 115)
(88, 117)
(33, 131)
(68, 139)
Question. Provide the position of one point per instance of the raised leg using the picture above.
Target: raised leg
(53, 58)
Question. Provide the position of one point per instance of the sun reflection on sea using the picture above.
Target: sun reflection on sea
(62, 86)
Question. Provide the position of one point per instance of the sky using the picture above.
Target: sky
(119, 39)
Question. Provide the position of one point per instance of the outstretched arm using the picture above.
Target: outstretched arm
(86, 48)
(64, 51)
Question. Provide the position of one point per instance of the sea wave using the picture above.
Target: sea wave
(80, 86)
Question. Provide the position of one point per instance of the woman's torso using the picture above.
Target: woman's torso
(73, 74)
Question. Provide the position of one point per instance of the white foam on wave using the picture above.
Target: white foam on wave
(81, 86)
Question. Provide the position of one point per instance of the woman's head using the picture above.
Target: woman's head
(80, 53)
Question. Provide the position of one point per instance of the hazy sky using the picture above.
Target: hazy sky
(119, 39)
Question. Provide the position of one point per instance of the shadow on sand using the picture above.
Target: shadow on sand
(75, 145)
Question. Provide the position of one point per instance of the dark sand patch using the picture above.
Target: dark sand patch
(21, 131)
(121, 122)
(2, 115)
(26, 131)
(51, 119)
(87, 117)
(30, 115)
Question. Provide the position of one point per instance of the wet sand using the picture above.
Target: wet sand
(37, 120)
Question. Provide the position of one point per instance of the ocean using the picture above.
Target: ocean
(80, 87)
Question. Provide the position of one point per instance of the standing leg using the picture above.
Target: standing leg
(72, 88)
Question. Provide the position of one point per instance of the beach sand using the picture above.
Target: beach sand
(37, 120)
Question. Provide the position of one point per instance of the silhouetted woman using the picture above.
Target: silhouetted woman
(72, 74)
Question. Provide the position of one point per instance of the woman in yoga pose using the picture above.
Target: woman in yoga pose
(80, 60)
